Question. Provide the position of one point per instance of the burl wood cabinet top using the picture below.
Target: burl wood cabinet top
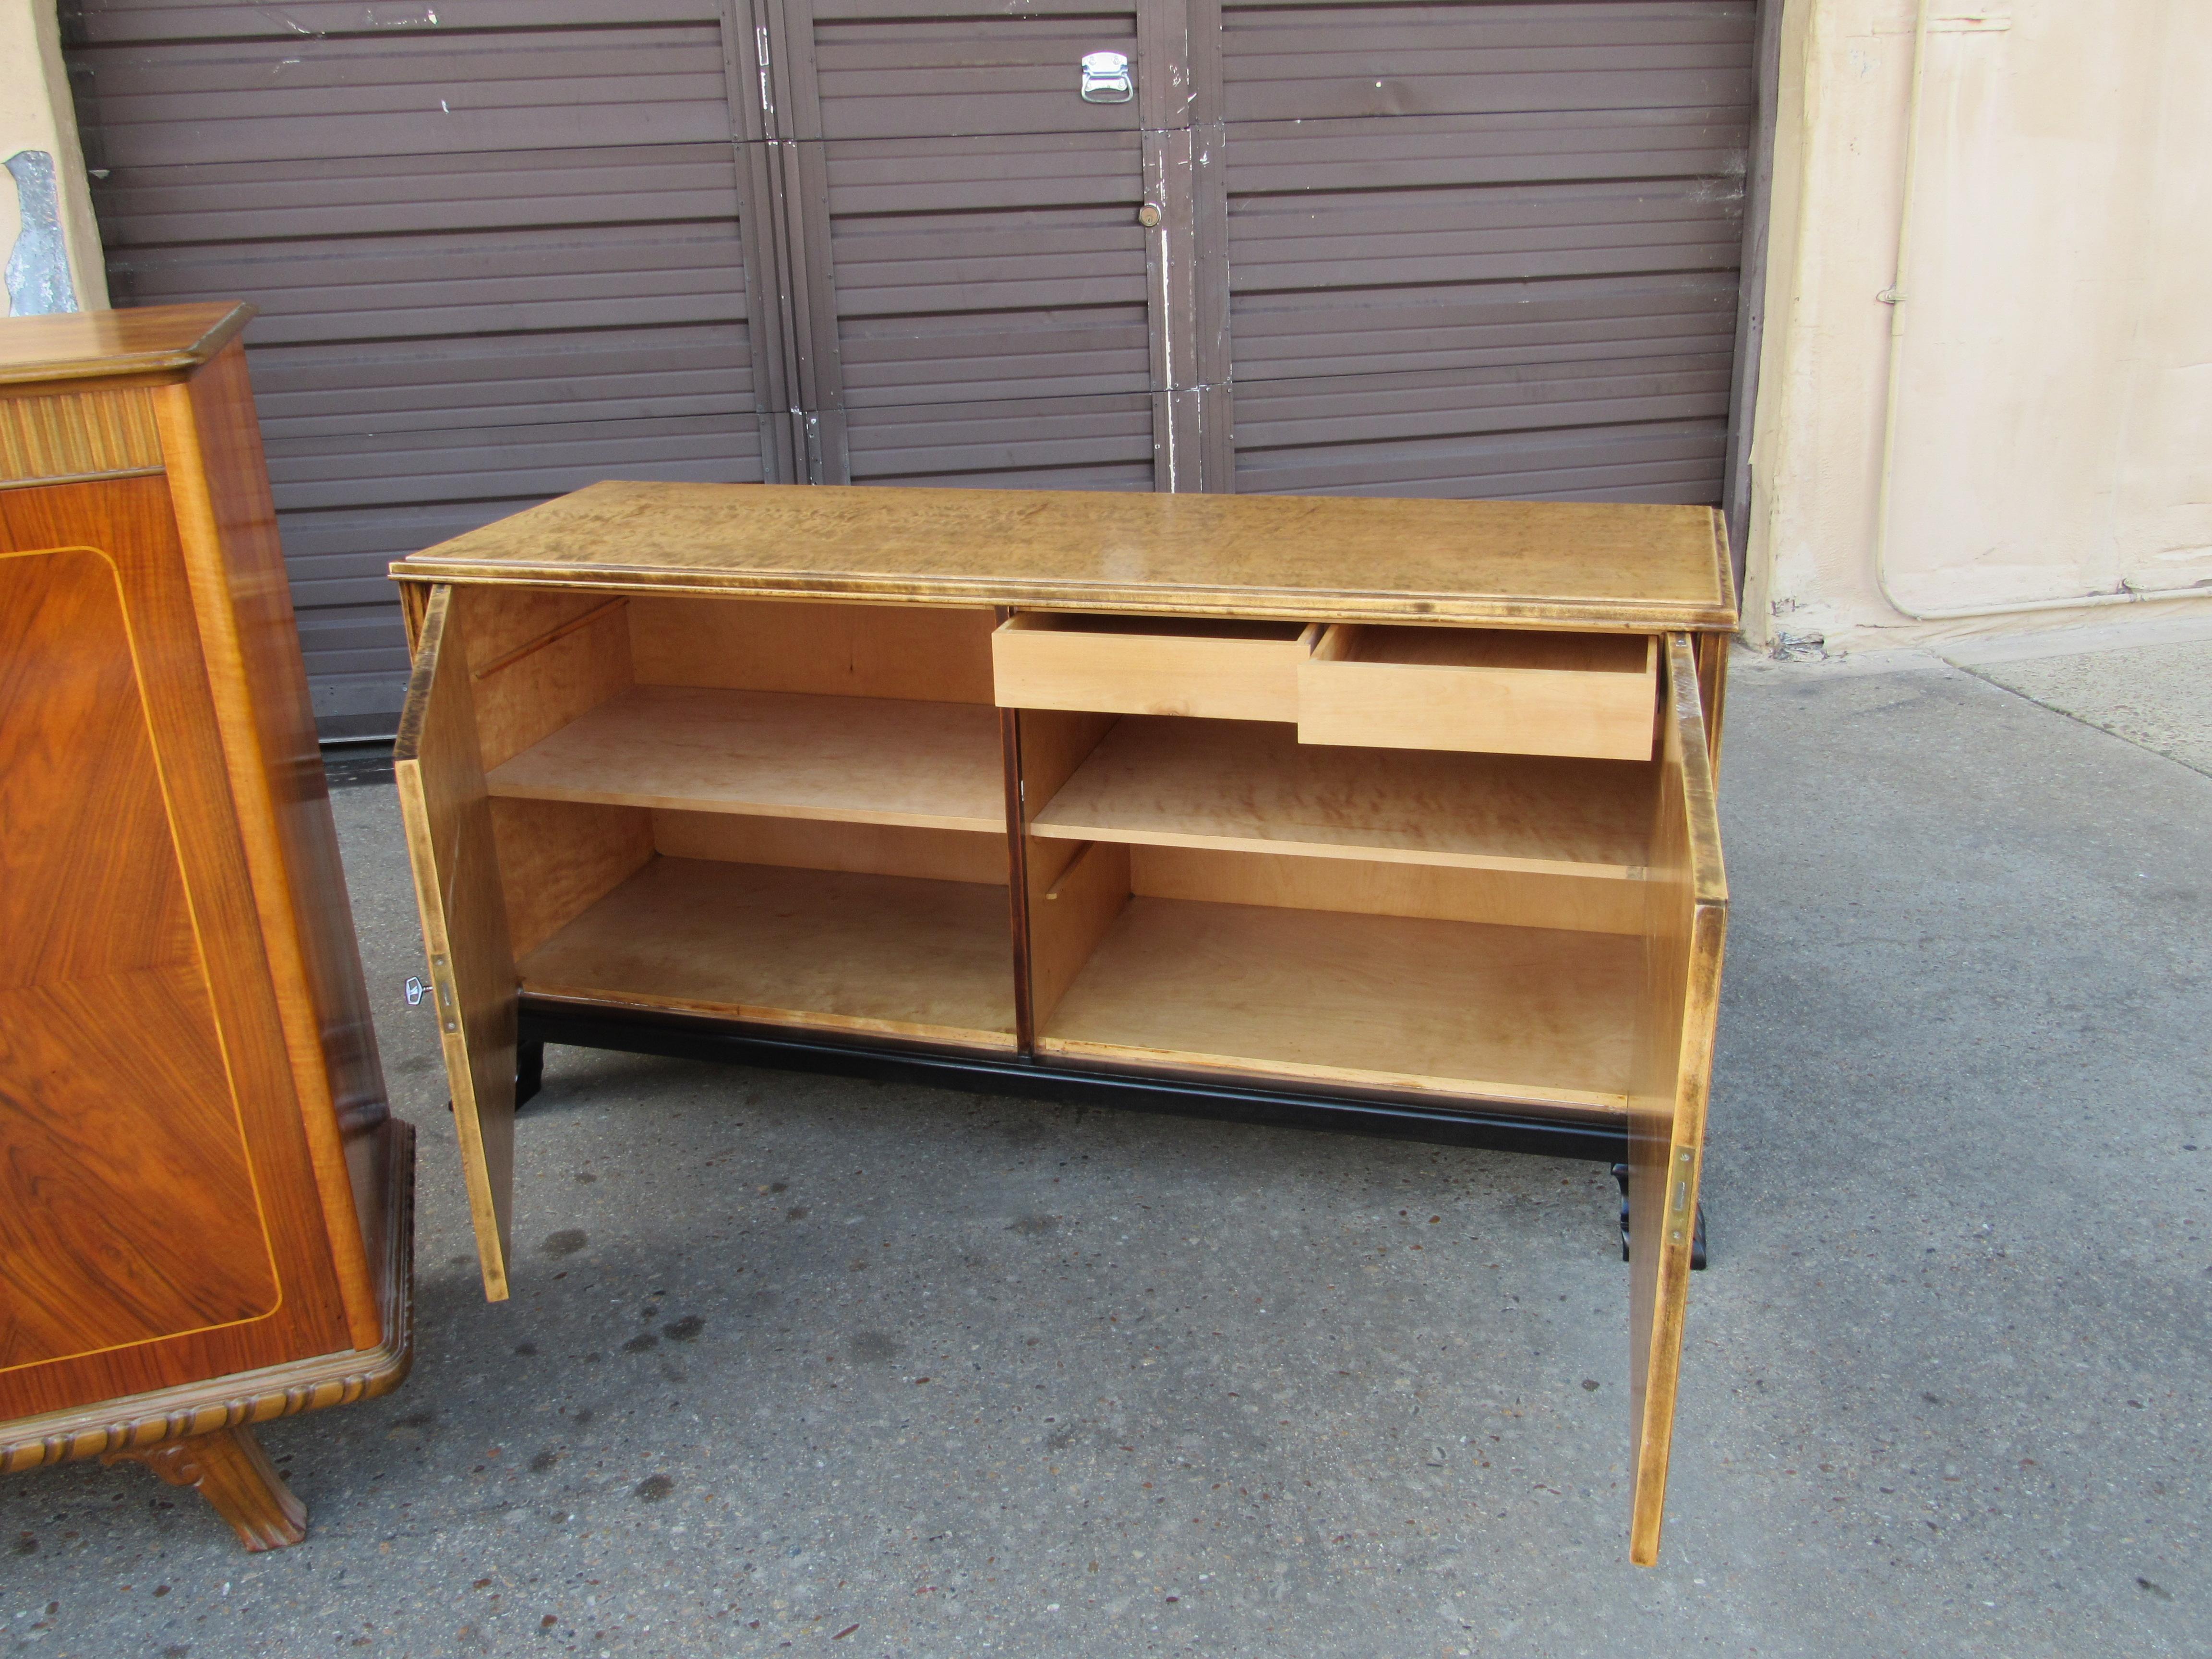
(1346, 558)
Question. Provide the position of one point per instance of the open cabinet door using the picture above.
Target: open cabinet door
(449, 840)
(1685, 916)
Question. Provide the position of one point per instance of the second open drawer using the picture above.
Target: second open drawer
(1504, 691)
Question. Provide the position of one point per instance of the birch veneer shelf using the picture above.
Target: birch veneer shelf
(902, 956)
(858, 759)
(1252, 786)
(1369, 1001)
(1387, 815)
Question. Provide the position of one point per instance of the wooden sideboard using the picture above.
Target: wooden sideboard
(205, 1204)
(1388, 814)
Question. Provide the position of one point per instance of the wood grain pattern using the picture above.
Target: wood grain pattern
(77, 434)
(1251, 785)
(242, 599)
(316, 1383)
(1507, 898)
(521, 700)
(860, 760)
(503, 626)
(905, 652)
(1494, 690)
(104, 1006)
(1712, 654)
(230, 1470)
(811, 844)
(822, 950)
(1449, 1007)
(458, 892)
(1687, 918)
(557, 860)
(1053, 744)
(1574, 564)
(130, 522)
(1222, 669)
(161, 342)
(1072, 902)
(82, 1059)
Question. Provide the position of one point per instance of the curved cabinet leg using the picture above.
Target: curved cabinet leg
(231, 1471)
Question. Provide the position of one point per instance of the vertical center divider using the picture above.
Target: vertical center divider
(1018, 877)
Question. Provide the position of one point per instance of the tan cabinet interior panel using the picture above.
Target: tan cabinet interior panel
(1252, 785)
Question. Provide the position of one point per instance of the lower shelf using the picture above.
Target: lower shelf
(816, 949)
(1455, 1007)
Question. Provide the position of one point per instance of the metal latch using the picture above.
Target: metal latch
(414, 992)
(1106, 78)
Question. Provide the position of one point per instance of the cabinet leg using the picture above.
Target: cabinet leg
(1697, 1238)
(231, 1471)
(529, 1070)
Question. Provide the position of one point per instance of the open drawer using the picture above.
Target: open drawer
(1505, 691)
(1212, 667)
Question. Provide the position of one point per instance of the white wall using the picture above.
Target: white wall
(35, 114)
(2051, 436)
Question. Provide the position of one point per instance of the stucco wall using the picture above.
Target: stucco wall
(35, 114)
(2052, 434)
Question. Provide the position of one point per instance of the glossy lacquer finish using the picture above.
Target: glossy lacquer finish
(105, 1004)
(203, 1203)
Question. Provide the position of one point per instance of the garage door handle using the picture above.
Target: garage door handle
(1106, 78)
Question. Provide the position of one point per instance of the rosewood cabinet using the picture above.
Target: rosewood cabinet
(205, 1204)
(1392, 815)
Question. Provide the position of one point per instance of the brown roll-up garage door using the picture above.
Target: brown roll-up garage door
(497, 256)
(504, 247)
(1485, 249)
(979, 221)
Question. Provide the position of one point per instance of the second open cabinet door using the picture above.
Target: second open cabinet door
(1686, 897)
(447, 811)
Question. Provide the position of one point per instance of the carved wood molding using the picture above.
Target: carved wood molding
(230, 1470)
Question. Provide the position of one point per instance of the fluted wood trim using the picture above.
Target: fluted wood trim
(70, 436)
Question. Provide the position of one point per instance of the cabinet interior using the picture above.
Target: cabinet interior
(1215, 896)
(789, 813)
(794, 813)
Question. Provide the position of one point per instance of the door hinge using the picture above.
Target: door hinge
(449, 1005)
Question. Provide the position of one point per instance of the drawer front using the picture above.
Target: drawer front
(1517, 693)
(1142, 665)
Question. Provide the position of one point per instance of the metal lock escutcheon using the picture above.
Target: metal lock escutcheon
(1106, 78)
(1149, 215)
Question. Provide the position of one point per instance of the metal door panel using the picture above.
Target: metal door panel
(497, 255)
(1509, 233)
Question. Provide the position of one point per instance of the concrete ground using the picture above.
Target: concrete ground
(2155, 691)
(807, 1366)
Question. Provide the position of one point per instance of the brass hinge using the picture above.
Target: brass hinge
(449, 1005)
(1678, 1204)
